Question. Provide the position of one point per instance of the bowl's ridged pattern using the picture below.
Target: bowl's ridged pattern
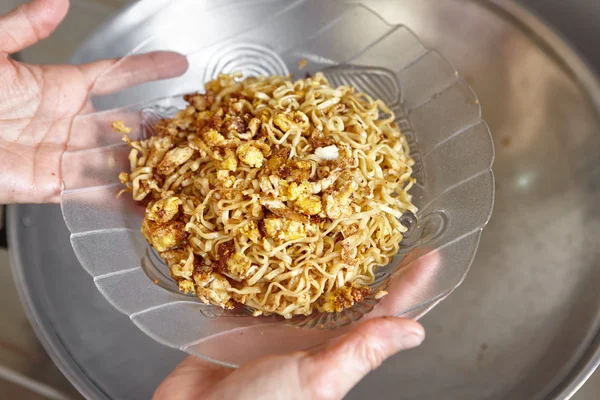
(436, 110)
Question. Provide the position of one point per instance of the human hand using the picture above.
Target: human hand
(329, 373)
(38, 103)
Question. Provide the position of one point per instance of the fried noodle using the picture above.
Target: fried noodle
(281, 195)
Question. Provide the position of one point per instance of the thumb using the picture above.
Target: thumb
(30, 23)
(332, 372)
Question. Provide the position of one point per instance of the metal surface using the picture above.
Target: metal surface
(524, 324)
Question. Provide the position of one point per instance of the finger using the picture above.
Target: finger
(30, 23)
(190, 380)
(411, 284)
(109, 76)
(331, 373)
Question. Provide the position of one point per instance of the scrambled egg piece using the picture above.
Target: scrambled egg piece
(300, 194)
(304, 299)
(213, 290)
(281, 210)
(332, 209)
(164, 210)
(238, 267)
(295, 119)
(224, 179)
(296, 170)
(120, 127)
(338, 204)
(234, 124)
(266, 186)
(343, 196)
(285, 230)
(250, 230)
(295, 191)
(257, 211)
(164, 237)
(203, 117)
(197, 100)
(229, 162)
(310, 205)
(277, 159)
(123, 177)
(344, 297)
(250, 155)
(198, 144)
(173, 159)
(293, 169)
(262, 146)
(158, 149)
(301, 164)
(186, 286)
(214, 138)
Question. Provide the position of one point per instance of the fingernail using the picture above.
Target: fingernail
(411, 340)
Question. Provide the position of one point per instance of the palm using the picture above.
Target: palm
(37, 107)
(39, 103)
(327, 374)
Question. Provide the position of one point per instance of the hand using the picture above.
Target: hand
(327, 374)
(38, 103)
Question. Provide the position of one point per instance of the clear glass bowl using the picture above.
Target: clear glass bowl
(436, 110)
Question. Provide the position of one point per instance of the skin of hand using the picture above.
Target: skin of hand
(38, 104)
(327, 373)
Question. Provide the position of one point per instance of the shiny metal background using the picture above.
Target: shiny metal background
(525, 323)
